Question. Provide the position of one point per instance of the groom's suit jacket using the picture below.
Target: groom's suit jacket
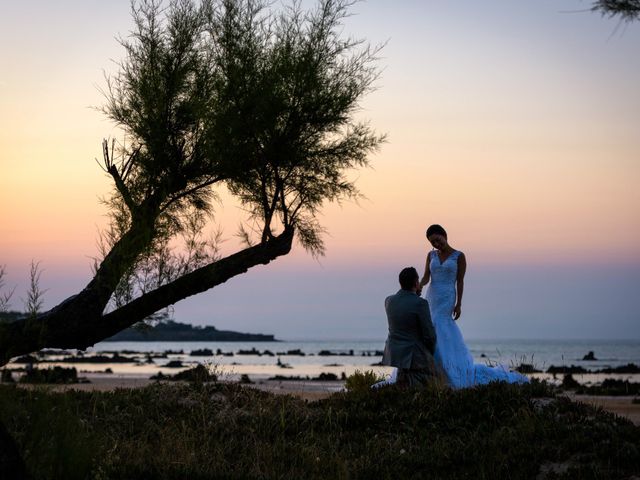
(412, 338)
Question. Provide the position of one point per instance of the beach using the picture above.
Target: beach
(314, 390)
(313, 369)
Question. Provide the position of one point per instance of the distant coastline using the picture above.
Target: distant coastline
(171, 331)
(168, 331)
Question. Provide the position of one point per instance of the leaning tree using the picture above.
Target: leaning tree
(211, 95)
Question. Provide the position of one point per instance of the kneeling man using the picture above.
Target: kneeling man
(412, 338)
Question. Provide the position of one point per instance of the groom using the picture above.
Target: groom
(412, 338)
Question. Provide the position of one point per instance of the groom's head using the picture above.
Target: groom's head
(409, 279)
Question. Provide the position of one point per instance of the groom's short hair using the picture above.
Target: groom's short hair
(408, 278)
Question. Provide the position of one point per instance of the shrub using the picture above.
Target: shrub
(362, 381)
(50, 375)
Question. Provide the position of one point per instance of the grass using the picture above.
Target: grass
(206, 431)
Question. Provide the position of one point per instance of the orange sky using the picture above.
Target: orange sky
(513, 125)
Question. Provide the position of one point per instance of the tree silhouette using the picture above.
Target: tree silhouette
(210, 95)
(627, 10)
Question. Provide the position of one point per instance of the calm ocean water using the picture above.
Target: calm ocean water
(540, 353)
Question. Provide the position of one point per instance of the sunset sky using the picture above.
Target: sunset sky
(515, 125)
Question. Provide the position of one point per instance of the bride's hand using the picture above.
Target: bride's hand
(457, 310)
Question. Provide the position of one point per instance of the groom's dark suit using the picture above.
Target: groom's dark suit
(412, 338)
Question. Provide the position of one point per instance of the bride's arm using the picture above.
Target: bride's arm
(462, 269)
(427, 272)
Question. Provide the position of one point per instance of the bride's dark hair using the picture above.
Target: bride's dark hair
(436, 230)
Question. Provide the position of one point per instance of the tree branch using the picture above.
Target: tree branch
(112, 169)
(198, 281)
(67, 325)
(192, 190)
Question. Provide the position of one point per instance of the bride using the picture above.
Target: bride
(444, 274)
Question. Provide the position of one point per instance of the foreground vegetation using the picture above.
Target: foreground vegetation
(217, 430)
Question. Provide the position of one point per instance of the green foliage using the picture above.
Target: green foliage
(289, 87)
(362, 381)
(229, 93)
(229, 431)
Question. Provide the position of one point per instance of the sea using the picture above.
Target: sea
(309, 358)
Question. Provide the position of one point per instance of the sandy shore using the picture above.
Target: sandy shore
(307, 390)
(622, 406)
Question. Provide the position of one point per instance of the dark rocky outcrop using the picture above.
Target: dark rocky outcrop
(55, 375)
(199, 373)
(626, 369)
(203, 352)
(527, 368)
(573, 369)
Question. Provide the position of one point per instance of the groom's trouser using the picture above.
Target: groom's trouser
(415, 378)
(422, 371)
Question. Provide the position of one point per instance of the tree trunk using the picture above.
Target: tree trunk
(74, 323)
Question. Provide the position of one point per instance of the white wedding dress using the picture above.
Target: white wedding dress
(451, 353)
